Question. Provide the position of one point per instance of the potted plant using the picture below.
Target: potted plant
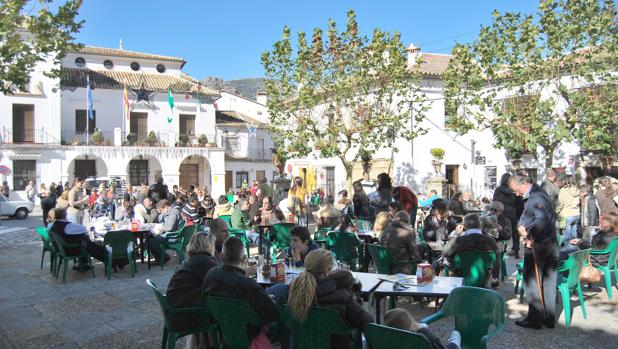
(183, 140)
(97, 137)
(366, 159)
(131, 138)
(75, 141)
(202, 140)
(151, 139)
(438, 155)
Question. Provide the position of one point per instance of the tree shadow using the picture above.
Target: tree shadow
(405, 175)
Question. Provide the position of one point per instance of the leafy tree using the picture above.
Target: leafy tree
(345, 97)
(539, 80)
(30, 33)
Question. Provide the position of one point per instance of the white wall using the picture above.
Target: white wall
(229, 101)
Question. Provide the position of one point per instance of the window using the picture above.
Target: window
(81, 121)
(108, 64)
(231, 143)
(240, 177)
(186, 125)
(260, 153)
(80, 62)
(259, 174)
(135, 66)
(138, 172)
(23, 172)
(161, 68)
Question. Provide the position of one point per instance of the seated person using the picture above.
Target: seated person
(190, 211)
(344, 204)
(496, 225)
(145, 212)
(267, 214)
(229, 280)
(327, 216)
(224, 208)
(300, 245)
(125, 212)
(401, 319)
(170, 220)
(599, 241)
(185, 287)
(254, 207)
(208, 204)
(221, 231)
(468, 237)
(319, 285)
(180, 201)
(394, 207)
(383, 219)
(438, 224)
(73, 233)
(240, 215)
(345, 224)
(400, 239)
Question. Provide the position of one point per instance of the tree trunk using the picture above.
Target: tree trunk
(549, 156)
(349, 166)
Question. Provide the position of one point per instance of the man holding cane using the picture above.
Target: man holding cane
(537, 226)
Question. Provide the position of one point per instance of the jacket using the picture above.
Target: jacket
(505, 196)
(470, 242)
(400, 239)
(172, 219)
(551, 190)
(76, 205)
(158, 192)
(241, 219)
(230, 281)
(361, 206)
(223, 210)
(567, 204)
(409, 201)
(185, 289)
(432, 228)
(589, 211)
(380, 199)
(539, 217)
(606, 202)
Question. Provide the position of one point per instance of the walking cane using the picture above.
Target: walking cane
(538, 278)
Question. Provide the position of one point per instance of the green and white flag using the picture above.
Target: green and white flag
(170, 101)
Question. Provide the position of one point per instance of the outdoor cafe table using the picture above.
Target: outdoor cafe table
(142, 233)
(440, 287)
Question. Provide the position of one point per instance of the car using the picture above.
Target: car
(15, 208)
(95, 182)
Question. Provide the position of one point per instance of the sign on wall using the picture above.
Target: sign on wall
(491, 177)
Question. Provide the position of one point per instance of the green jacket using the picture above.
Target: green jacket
(240, 219)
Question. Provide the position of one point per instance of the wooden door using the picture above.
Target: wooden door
(23, 123)
(139, 125)
(189, 175)
(229, 180)
(138, 172)
(85, 168)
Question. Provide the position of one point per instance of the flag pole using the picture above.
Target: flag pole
(87, 110)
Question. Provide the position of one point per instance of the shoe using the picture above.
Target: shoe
(495, 283)
(549, 323)
(512, 253)
(158, 262)
(527, 324)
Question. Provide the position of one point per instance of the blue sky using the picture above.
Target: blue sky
(225, 38)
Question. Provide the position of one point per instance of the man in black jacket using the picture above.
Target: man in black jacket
(229, 280)
(509, 200)
(537, 225)
(158, 191)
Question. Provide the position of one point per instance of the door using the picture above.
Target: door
(23, 123)
(138, 172)
(259, 174)
(330, 181)
(452, 178)
(85, 168)
(139, 125)
(186, 126)
(189, 175)
(229, 180)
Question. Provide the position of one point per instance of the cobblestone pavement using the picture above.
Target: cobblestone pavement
(39, 311)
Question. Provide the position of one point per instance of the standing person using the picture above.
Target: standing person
(31, 191)
(344, 204)
(77, 202)
(550, 186)
(433, 195)
(567, 208)
(508, 199)
(360, 201)
(265, 189)
(456, 207)
(43, 191)
(409, 200)
(158, 191)
(5, 189)
(537, 225)
(589, 209)
(369, 186)
(383, 195)
(607, 197)
(296, 200)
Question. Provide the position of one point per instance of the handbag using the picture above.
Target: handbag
(589, 274)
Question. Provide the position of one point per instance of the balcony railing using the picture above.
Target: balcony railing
(150, 139)
(27, 136)
(251, 153)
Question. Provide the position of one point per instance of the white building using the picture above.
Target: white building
(44, 130)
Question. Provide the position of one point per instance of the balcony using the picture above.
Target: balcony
(27, 136)
(145, 139)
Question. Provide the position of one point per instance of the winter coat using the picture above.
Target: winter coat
(470, 242)
(568, 202)
(589, 211)
(400, 239)
(551, 189)
(606, 202)
(505, 196)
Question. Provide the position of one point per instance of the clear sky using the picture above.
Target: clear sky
(225, 38)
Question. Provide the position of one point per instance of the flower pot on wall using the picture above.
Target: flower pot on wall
(437, 166)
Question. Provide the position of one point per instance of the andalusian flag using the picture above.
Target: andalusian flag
(170, 101)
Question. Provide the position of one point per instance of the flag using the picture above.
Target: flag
(198, 102)
(170, 101)
(89, 98)
(125, 102)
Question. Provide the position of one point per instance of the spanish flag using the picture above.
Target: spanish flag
(125, 102)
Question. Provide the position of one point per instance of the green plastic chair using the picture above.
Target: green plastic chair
(206, 325)
(475, 310)
(319, 236)
(316, 331)
(384, 261)
(173, 241)
(63, 258)
(519, 280)
(119, 245)
(363, 225)
(228, 219)
(239, 233)
(346, 247)
(280, 234)
(384, 337)
(612, 250)
(47, 247)
(573, 266)
(232, 317)
(475, 266)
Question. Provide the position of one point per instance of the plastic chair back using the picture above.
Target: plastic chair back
(363, 225)
(187, 233)
(281, 234)
(346, 246)
(228, 219)
(382, 258)
(612, 249)
(475, 310)
(232, 315)
(119, 242)
(44, 234)
(574, 266)
(317, 329)
(384, 337)
(475, 266)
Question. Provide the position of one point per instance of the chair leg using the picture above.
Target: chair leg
(566, 304)
(42, 258)
(608, 281)
(521, 292)
(64, 273)
(91, 266)
(164, 338)
(108, 266)
(581, 299)
(503, 269)
(171, 340)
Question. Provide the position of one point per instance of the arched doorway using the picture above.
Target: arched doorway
(143, 170)
(194, 170)
(86, 166)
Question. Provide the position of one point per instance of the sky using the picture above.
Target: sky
(226, 38)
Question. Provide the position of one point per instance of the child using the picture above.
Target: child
(401, 319)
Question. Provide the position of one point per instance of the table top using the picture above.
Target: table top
(366, 233)
(441, 286)
(436, 245)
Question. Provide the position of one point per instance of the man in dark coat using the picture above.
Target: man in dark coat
(505, 196)
(400, 239)
(537, 225)
(158, 191)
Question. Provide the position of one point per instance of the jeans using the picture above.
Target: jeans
(570, 230)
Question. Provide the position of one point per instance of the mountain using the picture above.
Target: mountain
(247, 88)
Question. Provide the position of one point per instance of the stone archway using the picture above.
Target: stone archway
(143, 170)
(195, 170)
(86, 166)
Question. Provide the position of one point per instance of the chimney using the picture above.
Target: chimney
(261, 97)
(413, 55)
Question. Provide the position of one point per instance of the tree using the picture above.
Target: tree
(345, 97)
(537, 81)
(29, 36)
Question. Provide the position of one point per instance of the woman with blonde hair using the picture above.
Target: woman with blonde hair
(63, 200)
(319, 285)
(382, 221)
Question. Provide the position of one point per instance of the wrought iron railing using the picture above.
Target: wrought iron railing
(27, 136)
